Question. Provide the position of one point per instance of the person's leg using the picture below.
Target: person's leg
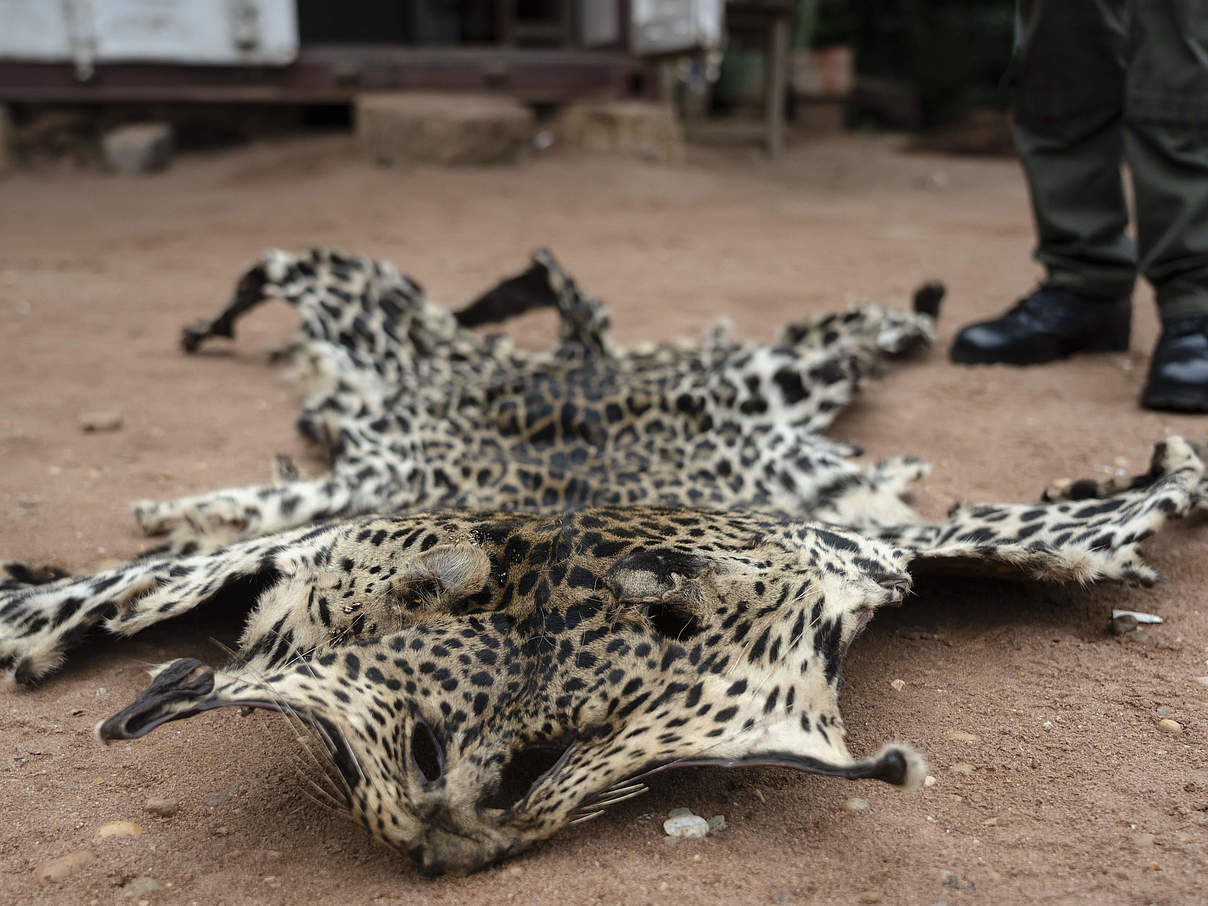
(1166, 144)
(1068, 94)
(1166, 136)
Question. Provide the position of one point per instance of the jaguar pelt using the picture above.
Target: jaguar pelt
(518, 607)
(432, 655)
(414, 410)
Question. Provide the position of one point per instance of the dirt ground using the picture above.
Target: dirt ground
(1063, 789)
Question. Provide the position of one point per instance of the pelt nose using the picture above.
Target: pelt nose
(445, 853)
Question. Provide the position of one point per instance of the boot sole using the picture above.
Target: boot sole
(1167, 399)
(961, 355)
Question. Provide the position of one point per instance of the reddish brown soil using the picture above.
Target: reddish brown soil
(1074, 796)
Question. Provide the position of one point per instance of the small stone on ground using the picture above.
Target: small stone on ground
(960, 736)
(161, 808)
(686, 826)
(1171, 727)
(140, 887)
(855, 804)
(53, 871)
(138, 148)
(1123, 624)
(117, 829)
(100, 421)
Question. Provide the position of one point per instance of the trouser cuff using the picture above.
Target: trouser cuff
(1171, 306)
(1090, 285)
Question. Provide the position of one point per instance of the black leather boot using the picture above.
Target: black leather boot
(1178, 370)
(1050, 324)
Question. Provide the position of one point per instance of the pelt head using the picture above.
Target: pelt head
(478, 682)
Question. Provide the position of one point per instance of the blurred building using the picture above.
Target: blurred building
(322, 51)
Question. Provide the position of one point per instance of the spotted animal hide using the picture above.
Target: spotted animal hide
(589, 564)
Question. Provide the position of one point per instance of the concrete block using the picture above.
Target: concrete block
(628, 128)
(138, 148)
(443, 128)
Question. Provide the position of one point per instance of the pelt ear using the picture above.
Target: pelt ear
(456, 569)
(648, 575)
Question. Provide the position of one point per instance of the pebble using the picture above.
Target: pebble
(897, 685)
(53, 871)
(855, 804)
(929, 781)
(717, 824)
(783, 895)
(100, 421)
(1123, 624)
(686, 826)
(1171, 727)
(117, 829)
(680, 813)
(960, 736)
(962, 767)
(1165, 710)
(140, 887)
(1139, 616)
(161, 808)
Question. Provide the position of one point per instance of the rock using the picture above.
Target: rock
(960, 736)
(1165, 710)
(140, 887)
(641, 129)
(117, 829)
(936, 180)
(1171, 727)
(783, 895)
(161, 808)
(679, 812)
(100, 421)
(53, 871)
(686, 826)
(438, 128)
(138, 148)
(855, 804)
(1139, 616)
(928, 781)
(962, 767)
(1123, 624)
(897, 685)
(717, 824)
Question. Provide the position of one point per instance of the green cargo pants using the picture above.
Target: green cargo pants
(1100, 81)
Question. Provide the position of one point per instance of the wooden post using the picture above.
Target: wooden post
(776, 63)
